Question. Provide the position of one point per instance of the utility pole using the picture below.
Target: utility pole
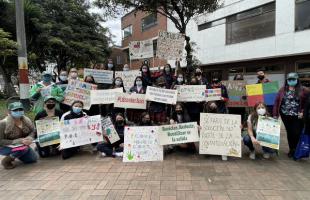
(24, 86)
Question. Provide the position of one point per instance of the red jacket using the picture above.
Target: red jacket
(303, 92)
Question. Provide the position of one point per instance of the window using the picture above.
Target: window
(269, 69)
(154, 47)
(303, 66)
(251, 25)
(302, 15)
(118, 60)
(211, 24)
(148, 22)
(127, 31)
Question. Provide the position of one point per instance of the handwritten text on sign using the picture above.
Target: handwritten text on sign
(128, 77)
(104, 96)
(81, 131)
(161, 95)
(134, 101)
(178, 133)
(213, 94)
(48, 131)
(191, 93)
(141, 49)
(170, 45)
(237, 93)
(220, 134)
(100, 76)
(109, 130)
(268, 132)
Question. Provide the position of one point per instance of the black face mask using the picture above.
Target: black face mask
(50, 106)
(119, 123)
(260, 77)
(179, 111)
(146, 122)
(198, 73)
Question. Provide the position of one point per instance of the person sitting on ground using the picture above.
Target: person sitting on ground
(16, 136)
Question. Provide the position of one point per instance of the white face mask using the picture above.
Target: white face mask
(261, 111)
(180, 80)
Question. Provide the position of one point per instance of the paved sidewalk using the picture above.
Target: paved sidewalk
(180, 176)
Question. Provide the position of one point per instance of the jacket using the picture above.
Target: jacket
(307, 115)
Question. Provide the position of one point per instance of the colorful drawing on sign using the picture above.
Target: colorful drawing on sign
(46, 91)
(77, 90)
(237, 93)
(134, 101)
(109, 130)
(268, 132)
(100, 76)
(170, 46)
(161, 95)
(48, 131)
(142, 144)
(178, 133)
(141, 49)
(213, 94)
(128, 77)
(265, 92)
(220, 134)
(81, 131)
(191, 93)
(104, 96)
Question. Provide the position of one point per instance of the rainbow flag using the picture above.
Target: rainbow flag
(263, 92)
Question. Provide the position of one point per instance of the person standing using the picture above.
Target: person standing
(73, 74)
(289, 104)
(63, 80)
(16, 135)
(221, 104)
(146, 75)
(307, 116)
(261, 76)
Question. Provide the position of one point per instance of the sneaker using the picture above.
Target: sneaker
(102, 154)
(252, 155)
(266, 155)
(224, 158)
(118, 154)
(7, 162)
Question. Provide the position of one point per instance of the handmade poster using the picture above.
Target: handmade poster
(128, 77)
(48, 131)
(213, 94)
(109, 130)
(46, 91)
(77, 90)
(104, 96)
(170, 46)
(191, 93)
(141, 49)
(263, 92)
(237, 93)
(268, 132)
(161, 95)
(142, 144)
(81, 131)
(134, 101)
(220, 134)
(100, 76)
(178, 133)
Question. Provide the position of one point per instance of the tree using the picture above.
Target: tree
(180, 12)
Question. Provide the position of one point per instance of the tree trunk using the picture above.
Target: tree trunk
(9, 89)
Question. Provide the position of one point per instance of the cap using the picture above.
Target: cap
(49, 98)
(15, 105)
(292, 75)
(46, 73)
(216, 80)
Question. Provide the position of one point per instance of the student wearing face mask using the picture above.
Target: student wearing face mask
(221, 104)
(16, 135)
(146, 75)
(200, 79)
(194, 108)
(111, 110)
(249, 140)
(45, 88)
(49, 111)
(94, 109)
(75, 113)
(168, 76)
(179, 81)
(126, 68)
(63, 80)
(73, 74)
(289, 104)
(262, 77)
(145, 119)
(115, 149)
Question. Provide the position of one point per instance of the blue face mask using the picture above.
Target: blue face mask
(76, 110)
(17, 114)
(63, 78)
(292, 82)
(110, 65)
(47, 79)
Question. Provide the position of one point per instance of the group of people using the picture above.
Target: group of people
(18, 132)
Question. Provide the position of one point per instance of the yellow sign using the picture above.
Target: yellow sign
(255, 89)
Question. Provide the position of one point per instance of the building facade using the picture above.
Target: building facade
(137, 26)
(245, 35)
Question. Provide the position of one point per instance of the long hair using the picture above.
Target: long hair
(122, 85)
(164, 71)
(138, 77)
(298, 87)
(90, 76)
(254, 114)
(148, 73)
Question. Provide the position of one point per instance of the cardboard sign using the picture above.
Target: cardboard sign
(128, 77)
(109, 130)
(134, 101)
(100, 76)
(141, 144)
(268, 132)
(178, 133)
(191, 93)
(237, 93)
(220, 134)
(263, 92)
(213, 94)
(48, 131)
(141, 49)
(170, 46)
(77, 90)
(46, 91)
(161, 95)
(81, 131)
(104, 96)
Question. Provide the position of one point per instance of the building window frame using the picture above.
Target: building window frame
(130, 31)
(150, 25)
(298, 3)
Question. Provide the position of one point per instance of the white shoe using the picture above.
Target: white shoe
(118, 154)
(103, 155)
(252, 155)
(266, 155)
(224, 158)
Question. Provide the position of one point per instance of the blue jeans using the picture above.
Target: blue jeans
(248, 142)
(27, 155)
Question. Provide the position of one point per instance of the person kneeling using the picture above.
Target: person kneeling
(16, 136)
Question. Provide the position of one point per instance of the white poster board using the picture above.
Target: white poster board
(100, 76)
(220, 134)
(213, 94)
(48, 131)
(161, 95)
(191, 93)
(128, 77)
(142, 144)
(268, 132)
(170, 46)
(141, 49)
(178, 133)
(104, 96)
(133, 101)
(81, 131)
(109, 130)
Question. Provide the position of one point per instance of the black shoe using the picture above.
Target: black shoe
(291, 154)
